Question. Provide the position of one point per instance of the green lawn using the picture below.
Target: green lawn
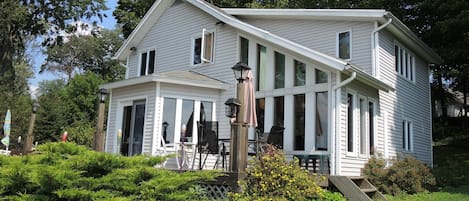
(451, 168)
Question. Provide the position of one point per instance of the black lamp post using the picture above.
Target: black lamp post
(239, 136)
(28, 145)
(240, 71)
(99, 135)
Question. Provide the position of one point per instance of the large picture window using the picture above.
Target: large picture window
(299, 134)
(322, 121)
(244, 50)
(279, 70)
(261, 67)
(203, 48)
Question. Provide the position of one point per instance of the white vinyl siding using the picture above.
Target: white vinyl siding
(128, 94)
(321, 35)
(409, 101)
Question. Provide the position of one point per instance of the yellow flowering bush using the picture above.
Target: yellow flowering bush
(272, 177)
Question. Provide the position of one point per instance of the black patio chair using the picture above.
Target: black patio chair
(273, 137)
(207, 140)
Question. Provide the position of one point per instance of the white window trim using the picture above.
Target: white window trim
(409, 148)
(178, 117)
(147, 61)
(355, 130)
(375, 120)
(338, 44)
(202, 48)
(366, 124)
(411, 63)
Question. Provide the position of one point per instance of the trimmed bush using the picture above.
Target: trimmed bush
(65, 171)
(406, 175)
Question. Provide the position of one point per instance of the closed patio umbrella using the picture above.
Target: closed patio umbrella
(249, 101)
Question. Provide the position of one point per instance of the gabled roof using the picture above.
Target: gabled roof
(151, 17)
(187, 78)
(223, 15)
(396, 27)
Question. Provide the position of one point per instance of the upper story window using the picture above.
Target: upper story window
(404, 62)
(244, 50)
(203, 48)
(147, 62)
(344, 45)
(279, 70)
(300, 73)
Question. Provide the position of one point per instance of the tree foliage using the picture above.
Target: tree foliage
(23, 20)
(65, 171)
(70, 107)
(83, 53)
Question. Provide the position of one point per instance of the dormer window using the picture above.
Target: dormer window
(147, 62)
(203, 48)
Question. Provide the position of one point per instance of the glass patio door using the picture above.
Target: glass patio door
(133, 127)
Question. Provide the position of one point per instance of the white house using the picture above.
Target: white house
(343, 83)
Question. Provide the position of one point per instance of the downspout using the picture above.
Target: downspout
(336, 141)
(345, 82)
(374, 44)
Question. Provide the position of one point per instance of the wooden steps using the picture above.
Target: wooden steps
(356, 188)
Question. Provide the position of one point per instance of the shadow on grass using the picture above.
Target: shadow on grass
(451, 166)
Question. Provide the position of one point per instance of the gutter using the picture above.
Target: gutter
(374, 46)
(335, 138)
(345, 82)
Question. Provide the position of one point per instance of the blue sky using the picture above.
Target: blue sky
(38, 58)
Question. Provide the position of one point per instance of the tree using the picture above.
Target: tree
(85, 53)
(68, 107)
(52, 115)
(128, 13)
(23, 20)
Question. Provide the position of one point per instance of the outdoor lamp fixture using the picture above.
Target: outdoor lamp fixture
(102, 95)
(165, 127)
(35, 107)
(240, 71)
(232, 107)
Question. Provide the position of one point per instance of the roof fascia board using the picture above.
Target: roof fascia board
(409, 37)
(368, 79)
(163, 79)
(269, 37)
(152, 16)
(325, 14)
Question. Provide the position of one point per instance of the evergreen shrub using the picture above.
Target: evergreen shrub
(405, 175)
(66, 171)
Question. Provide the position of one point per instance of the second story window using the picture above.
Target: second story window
(203, 48)
(404, 62)
(147, 62)
(344, 45)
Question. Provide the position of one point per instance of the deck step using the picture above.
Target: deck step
(356, 188)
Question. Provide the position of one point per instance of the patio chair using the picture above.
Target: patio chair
(275, 136)
(207, 140)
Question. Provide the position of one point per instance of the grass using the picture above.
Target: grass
(451, 169)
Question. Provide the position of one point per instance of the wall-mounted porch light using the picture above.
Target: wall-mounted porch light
(232, 107)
